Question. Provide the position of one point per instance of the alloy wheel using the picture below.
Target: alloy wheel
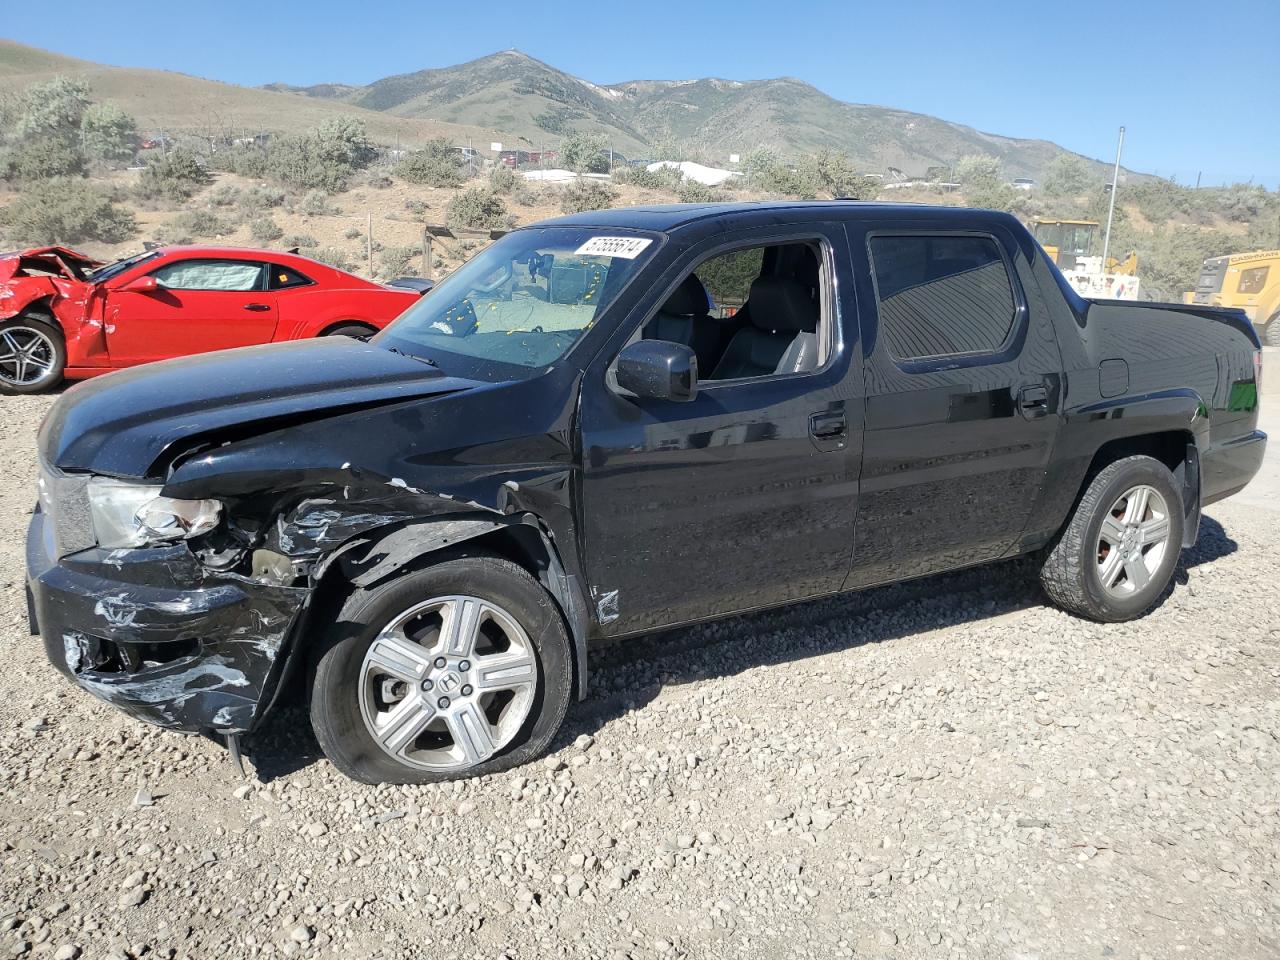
(448, 683)
(27, 356)
(1133, 541)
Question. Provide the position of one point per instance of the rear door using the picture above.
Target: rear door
(199, 304)
(963, 384)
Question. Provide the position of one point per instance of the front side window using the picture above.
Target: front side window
(231, 275)
(523, 302)
(750, 312)
(1252, 280)
(941, 295)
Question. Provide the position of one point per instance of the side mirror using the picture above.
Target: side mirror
(658, 370)
(142, 285)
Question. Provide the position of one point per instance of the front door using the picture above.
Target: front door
(745, 496)
(198, 305)
(963, 386)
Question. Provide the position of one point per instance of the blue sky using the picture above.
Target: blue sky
(1196, 84)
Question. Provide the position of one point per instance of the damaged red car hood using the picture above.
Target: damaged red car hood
(10, 262)
(125, 424)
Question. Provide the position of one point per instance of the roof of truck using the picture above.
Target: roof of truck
(668, 216)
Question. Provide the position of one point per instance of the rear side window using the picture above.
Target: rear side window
(941, 295)
(233, 275)
(282, 278)
(1253, 280)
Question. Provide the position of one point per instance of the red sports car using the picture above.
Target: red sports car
(63, 314)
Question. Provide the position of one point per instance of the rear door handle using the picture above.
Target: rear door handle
(828, 430)
(1033, 401)
(257, 307)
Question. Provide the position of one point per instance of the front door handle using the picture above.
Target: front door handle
(829, 431)
(1033, 401)
(257, 307)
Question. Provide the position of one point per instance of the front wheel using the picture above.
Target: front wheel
(32, 355)
(1118, 551)
(457, 670)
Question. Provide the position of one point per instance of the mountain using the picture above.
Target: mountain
(162, 101)
(527, 98)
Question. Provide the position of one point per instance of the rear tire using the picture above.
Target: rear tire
(1271, 335)
(33, 354)
(356, 330)
(1114, 558)
(396, 699)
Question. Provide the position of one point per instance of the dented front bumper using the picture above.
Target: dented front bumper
(155, 633)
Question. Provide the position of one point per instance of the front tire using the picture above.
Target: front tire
(1115, 556)
(457, 670)
(33, 354)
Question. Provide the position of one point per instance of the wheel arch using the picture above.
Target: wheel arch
(1177, 448)
(333, 325)
(376, 556)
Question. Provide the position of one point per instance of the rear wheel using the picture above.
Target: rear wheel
(357, 330)
(1271, 336)
(454, 671)
(1115, 556)
(32, 354)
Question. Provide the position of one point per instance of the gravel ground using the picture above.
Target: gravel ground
(950, 768)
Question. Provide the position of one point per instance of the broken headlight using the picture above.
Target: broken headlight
(136, 515)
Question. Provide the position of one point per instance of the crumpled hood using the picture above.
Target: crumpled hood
(121, 424)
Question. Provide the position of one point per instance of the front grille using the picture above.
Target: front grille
(64, 500)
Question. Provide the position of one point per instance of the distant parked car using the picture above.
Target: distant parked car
(63, 314)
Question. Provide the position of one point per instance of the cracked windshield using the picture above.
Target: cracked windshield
(524, 301)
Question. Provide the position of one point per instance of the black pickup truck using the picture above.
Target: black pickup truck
(606, 425)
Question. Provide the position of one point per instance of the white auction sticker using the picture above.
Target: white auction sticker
(625, 248)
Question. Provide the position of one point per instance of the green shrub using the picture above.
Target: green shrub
(400, 261)
(201, 223)
(258, 198)
(316, 204)
(225, 196)
(334, 257)
(418, 208)
(40, 158)
(584, 153)
(351, 233)
(174, 177)
(502, 179)
(380, 181)
(435, 165)
(664, 178)
(264, 230)
(107, 133)
(583, 195)
(477, 208)
(691, 191)
(303, 241)
(245, 159)
(65, 211)
(1067, 176)
(52, 108)
(978, 170)
(834, 175)
(324, 159)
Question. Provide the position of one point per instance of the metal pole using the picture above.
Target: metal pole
(1111, 207)
(368, 235)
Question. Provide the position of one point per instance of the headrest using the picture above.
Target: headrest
(689, 299)
(782, 304)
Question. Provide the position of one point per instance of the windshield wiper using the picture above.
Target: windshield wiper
(413, 356)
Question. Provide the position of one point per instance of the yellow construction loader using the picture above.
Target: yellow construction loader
(1070, 244)
(1250, 281)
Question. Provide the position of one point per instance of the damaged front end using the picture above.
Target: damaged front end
(158, 634)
